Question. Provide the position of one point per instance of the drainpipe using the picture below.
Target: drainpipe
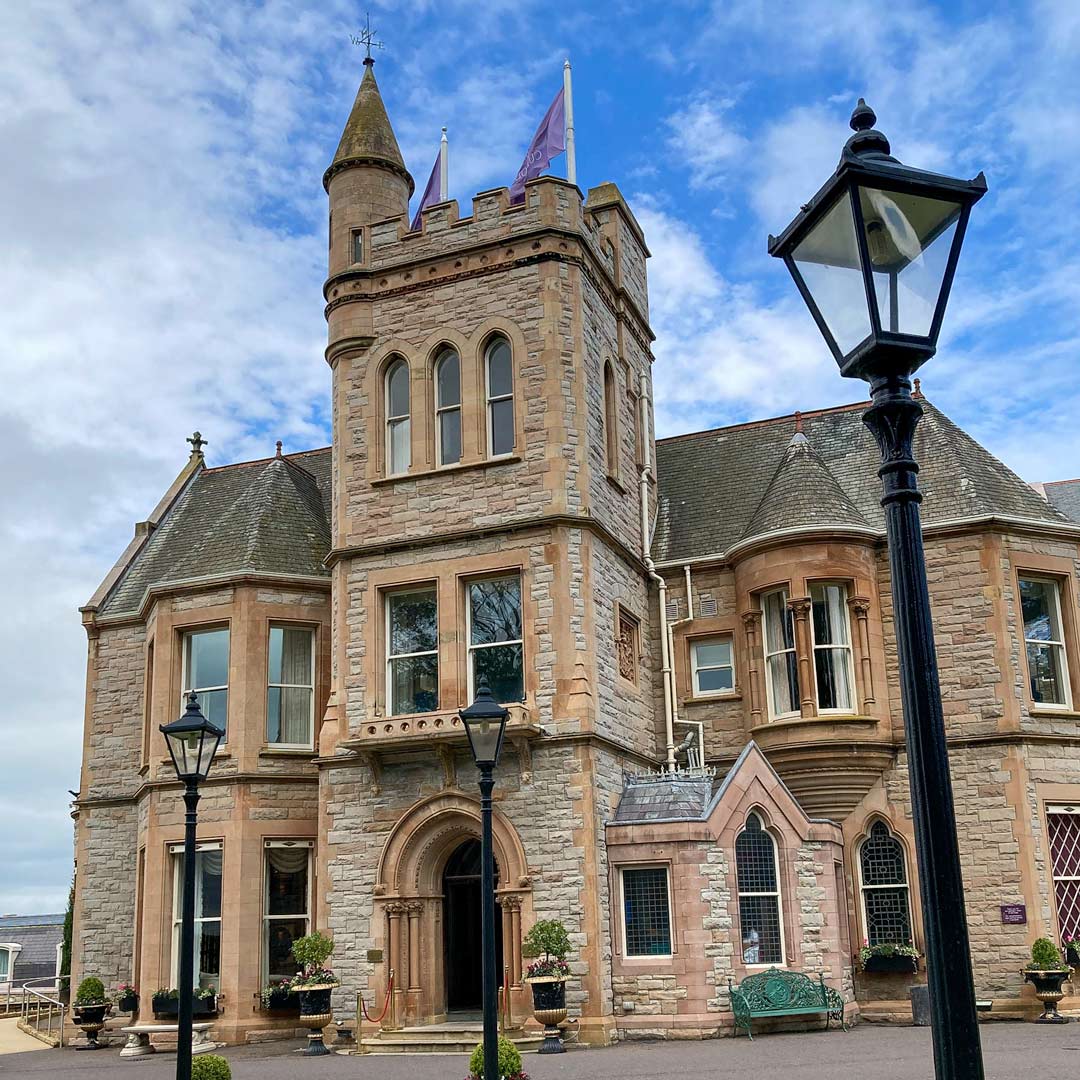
(650, 566)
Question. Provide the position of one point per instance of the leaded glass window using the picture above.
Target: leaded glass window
(448, 408)
(500, 397)
(412, 660)
(781, 663)
(758, 876)
(1063, 827)
(495, 637)
(646, 911)
(398, 424)
(832, 647)
(886, 902)
(1044, 641)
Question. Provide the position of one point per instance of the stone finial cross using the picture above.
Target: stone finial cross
(197, 443)
(366, 37)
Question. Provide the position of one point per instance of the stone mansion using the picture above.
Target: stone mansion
(704, 770)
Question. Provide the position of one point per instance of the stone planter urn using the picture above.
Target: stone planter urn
(315, 1015)
(549, 1008)
(1048, 990)
(90, 1019)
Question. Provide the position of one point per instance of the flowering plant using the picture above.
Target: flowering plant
(549, 942)
(547, 969)
(126, 988)
(311, 952)
(887, 948)
(267, 993)
(320, 976)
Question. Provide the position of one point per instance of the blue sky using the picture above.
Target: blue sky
(164, 227)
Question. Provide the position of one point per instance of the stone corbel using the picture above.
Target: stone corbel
(800, 609)
(860, 609)
(752, 628)
(371, 760)
(524, 753)
(446, 759)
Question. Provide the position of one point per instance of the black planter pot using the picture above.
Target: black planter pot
(891, 965)
(1072, 956)
(170, 1006)
(91, 1019)
(315, 1015)
(549, 1008)
(1048, 990)
(129, 1003)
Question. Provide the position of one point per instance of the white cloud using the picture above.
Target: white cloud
(703, 136)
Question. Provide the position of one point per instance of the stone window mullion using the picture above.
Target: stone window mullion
(860, 611)
(800, 610)
(752, 629)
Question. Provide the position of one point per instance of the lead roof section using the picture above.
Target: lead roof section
(712, 484)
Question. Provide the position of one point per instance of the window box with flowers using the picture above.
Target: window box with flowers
(889, 959)
(278, 997)
(166, 1001)
(127, 998)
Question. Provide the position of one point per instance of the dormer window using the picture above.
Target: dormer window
(398, 427)
(500, 398)
(357, 248)
(448, 408)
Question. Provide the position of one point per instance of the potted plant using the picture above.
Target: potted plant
(1071, 948)
(166, 1001)
(1046, 972)
(278, 997)
(888, 958)
(91, 1008)
(509, 1062)
(548, 943)
(127, 998)
(314, 983)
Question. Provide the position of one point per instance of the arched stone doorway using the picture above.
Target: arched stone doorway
(427, 908)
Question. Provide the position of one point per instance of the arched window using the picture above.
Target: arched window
(611, 427)
(448, 408)
(758, 876)
(883, 872)
(499, 373)
(398, 428)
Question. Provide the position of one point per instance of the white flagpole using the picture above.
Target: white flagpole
(444, 165)
(568, 106)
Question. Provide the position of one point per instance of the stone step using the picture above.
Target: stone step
(440, 1039)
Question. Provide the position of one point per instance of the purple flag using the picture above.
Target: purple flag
(431, 192)
(549, 140)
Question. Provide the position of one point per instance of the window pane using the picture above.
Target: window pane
(648, 922)
(713, 679)
(495, 610)
(449, 380)
(833, 678)
(290, 655)
(1039, 606)
(759, 917)
(779, 623)
(208, 955)
(830, 614)
(502, 426)
(755, 860)
(4, 953)
(357, 245)
(501, 665)
(208, 659)
(215, 706)
(1047, 677)
(397, 390)
(887, 918)
(500, 375)
(713, 654)
(882, 858)
(1064, 831)
(286, 881)
(450, 437)
(784, 681)
(414, 622)
(400, 449)
(288, 718)
(280, 935)
(414, 684)
(207, 884)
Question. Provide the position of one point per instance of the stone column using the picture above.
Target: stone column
(860, 609)
(394, 912)
(752, 629)
(415, 909)
(800, 609)
(512, 937)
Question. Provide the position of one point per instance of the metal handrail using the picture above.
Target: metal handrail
(37, 1003)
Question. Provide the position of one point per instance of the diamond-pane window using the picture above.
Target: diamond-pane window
(646, 911)
(758, 879)
(886, 906)
(1063, 826)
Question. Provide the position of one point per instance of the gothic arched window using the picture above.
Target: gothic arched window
(883, 874)
(758, 875)
(448, 408)
(611, 427)
(499, 375)
(398, 427)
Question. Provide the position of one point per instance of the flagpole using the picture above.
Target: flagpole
(444, 164)
(568, 103)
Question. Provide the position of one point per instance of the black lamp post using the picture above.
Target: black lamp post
(192, 741)
(873, 254)
(485, 724)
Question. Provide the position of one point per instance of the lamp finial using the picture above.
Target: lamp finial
(867, 142)
(863, 117)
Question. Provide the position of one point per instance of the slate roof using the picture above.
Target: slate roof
(270, 516)
(1065, 496)
(664, 799)
(712, 483)
(7, 922)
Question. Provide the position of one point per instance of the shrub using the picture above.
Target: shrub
(210, 1067)
(549, 941)
(91, 992)
(312, 951)
(509, 1060)
(1045, 956)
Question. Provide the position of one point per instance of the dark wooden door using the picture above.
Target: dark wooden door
(463, 931)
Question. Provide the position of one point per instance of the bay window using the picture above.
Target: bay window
(832, 647)
(412, 660)
(290, 693)
(286, 905)
(495, 637)
(208, 863)
(1044, 641)
(781, 663)
(206, 673)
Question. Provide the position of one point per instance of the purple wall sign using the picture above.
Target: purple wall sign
(1014, 914)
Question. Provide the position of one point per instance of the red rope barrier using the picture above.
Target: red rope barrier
(386, 1003)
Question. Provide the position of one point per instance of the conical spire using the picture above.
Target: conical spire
(368, 138)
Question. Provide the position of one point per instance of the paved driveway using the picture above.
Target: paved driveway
(1011, 1051)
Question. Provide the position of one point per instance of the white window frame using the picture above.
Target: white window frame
(864, 888)
(469, 582)
(291, 686)
(627, 955)
(442, 410)
(176, 854)
(186, 636)
(794, 651)
(419, 586)
(397, 419)
(267, 918)
(1063, 652)
(12, 950)
(490, 400)
(814, 647)
(695, 667)
(779, 894)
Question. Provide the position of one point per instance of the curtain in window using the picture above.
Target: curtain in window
(207, 916)
(289, 697)
(286, 908)
(781, 661)
(832, 647)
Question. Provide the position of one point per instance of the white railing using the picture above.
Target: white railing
(40, 1010)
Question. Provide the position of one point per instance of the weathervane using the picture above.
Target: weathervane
(366, 37)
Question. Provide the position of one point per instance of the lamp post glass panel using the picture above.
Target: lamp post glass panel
(485, 724)
(192, 741)
(873, 254)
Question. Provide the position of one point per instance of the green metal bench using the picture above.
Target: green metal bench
(777, 992)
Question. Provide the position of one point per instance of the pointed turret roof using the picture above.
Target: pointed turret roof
(803, 492)
(368, 138)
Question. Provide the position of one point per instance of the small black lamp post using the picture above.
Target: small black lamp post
(192, 741)
(873, 254)
(485, 724)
